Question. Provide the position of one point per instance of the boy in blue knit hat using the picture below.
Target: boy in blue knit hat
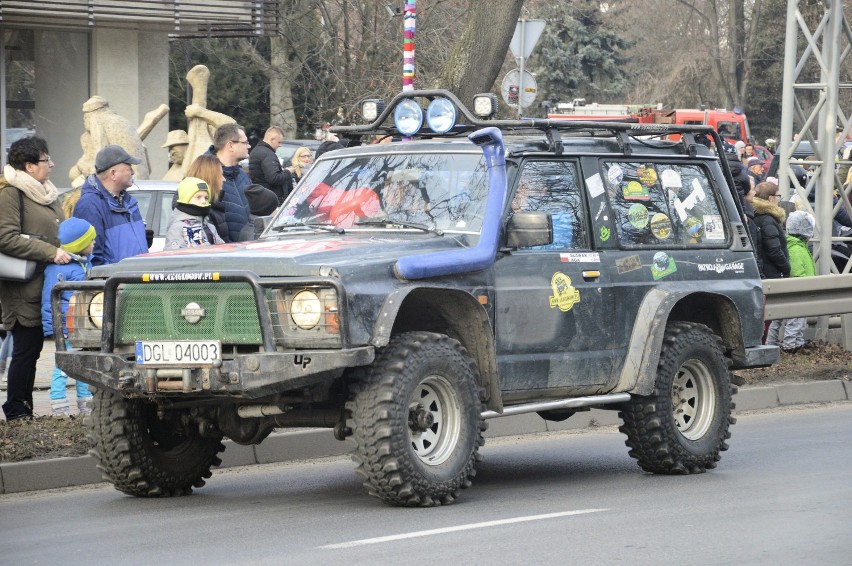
(77, 237)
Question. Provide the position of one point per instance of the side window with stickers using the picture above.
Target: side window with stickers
(663, 204)
(553, 187)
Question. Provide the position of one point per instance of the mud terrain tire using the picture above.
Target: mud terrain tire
(683, 425)
(145, 456)
(416, 416)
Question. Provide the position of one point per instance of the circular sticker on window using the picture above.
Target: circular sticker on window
(615, 175)
(694, 227)
(635, 191)
(637, 215)
(647, 175)
(661, 226)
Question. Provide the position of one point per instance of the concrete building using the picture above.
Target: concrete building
(55, 54)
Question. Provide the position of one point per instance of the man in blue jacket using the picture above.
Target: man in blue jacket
(114, 213)
(231, 212)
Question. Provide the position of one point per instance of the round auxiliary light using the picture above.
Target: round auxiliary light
(408, 117)
(441, 115)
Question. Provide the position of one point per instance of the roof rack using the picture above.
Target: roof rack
(552, 129)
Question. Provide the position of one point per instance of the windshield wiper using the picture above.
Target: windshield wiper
(313, 225)
(402, 223)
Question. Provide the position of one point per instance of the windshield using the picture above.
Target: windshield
(441, 193)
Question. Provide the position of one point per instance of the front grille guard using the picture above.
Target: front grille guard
(110, 290)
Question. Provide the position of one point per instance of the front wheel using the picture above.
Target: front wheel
(416, 420)
(682, 426)
(147, 454)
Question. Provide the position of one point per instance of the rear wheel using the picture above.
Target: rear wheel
(145, 455)
(416, 420)
(682, 426)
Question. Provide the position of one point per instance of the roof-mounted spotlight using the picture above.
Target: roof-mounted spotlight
(371, 108)
(485, 105)
(408, 117)
(441, 115)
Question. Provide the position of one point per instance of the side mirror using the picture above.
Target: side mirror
(529, 229)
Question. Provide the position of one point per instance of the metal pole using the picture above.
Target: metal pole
(523, 23)
(788, 99)
(825, 144)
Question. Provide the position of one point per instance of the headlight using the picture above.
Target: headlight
(441, 115)
(306, 310)
(96, 310)
(408, 117)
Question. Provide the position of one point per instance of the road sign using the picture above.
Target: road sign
(514, 92)
(528, 32)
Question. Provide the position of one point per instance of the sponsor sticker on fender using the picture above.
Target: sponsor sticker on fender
(723, 267)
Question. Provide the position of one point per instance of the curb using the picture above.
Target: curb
(17, 477)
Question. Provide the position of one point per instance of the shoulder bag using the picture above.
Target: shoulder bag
(16, 268)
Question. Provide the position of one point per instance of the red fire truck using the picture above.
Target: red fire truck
(731, 124)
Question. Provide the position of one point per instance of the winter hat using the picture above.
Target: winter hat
(752, 161)
(188, 187)
(75, 235)
(800, 223)
(262, 201)
(739, 145)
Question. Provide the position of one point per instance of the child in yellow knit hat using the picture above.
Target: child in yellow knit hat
(189, 224)
(77, 237)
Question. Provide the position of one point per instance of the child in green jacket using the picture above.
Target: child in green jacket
(800, 229)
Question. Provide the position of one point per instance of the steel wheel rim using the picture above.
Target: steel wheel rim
(436, 396)
(693, 399)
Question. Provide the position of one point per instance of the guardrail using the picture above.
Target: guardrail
(798, 297)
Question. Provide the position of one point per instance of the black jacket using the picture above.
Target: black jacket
(265, 169)
(770, 219)
(740, 175)
(756, 236)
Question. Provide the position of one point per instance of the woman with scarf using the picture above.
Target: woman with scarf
(28, 233)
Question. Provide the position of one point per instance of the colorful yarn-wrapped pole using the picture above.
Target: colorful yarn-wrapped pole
(410, 17)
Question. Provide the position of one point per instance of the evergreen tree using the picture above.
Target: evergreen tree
(580, 54)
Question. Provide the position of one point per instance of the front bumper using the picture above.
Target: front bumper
(247, 376)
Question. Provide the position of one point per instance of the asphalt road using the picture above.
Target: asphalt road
(781, 495)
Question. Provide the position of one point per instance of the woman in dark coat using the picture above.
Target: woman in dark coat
(770, 219)
(753, 229)
(26, 180)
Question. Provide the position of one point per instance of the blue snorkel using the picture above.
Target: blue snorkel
(481, 255)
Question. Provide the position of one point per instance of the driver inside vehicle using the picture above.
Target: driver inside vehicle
(404, 199)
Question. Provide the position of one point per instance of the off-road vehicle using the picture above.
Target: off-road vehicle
(407, 292)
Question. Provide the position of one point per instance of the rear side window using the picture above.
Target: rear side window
(663, 205)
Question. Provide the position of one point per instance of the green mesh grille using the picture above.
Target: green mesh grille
(153, 312)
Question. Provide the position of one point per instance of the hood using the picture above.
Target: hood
(290, 256)
(765, 207)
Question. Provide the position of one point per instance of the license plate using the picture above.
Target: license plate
(183, 353)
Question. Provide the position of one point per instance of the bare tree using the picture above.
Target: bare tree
(478, 55)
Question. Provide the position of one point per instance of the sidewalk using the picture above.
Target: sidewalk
(316, 443)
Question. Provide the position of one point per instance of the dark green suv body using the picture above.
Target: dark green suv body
(407, 292)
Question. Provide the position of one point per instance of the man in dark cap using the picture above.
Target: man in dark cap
(114, 213)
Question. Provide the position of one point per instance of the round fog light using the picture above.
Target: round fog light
(408, 117)
(441, 115)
